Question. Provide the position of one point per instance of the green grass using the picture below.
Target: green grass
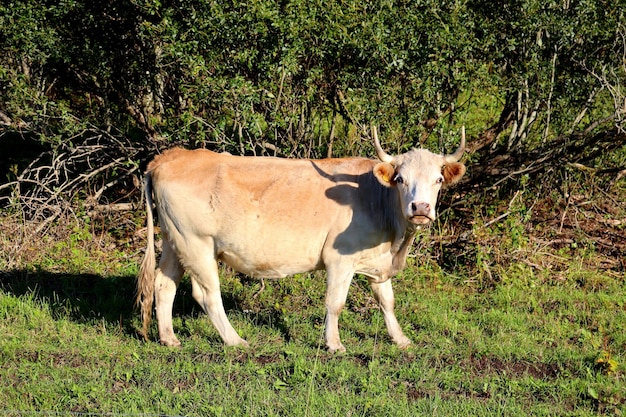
(523, 317)
(519, 347)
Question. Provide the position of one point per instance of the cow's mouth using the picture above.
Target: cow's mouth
(419, 219)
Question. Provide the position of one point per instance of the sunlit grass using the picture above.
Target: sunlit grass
(513, 349)
(500, 326)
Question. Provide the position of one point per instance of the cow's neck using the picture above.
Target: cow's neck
(400, 248)
(387, 211)
(403, 232)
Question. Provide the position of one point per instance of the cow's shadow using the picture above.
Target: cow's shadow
(92, 298)
(80, 297)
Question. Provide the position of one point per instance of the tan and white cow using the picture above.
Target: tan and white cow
(271, 217)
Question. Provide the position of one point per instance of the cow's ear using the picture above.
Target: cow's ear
(453, 172)
(385, 173)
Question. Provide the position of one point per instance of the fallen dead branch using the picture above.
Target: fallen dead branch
(113, 208)
(69, 176)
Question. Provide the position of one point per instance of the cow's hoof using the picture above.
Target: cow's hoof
(242, 344)
(171, 342)
(336, 348)
(238, 342)
(404, 343)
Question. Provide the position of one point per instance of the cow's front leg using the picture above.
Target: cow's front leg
(337, 286)
(383, 292)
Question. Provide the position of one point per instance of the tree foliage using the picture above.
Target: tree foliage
(299, 78)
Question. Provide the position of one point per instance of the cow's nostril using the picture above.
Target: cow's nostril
(421, 209)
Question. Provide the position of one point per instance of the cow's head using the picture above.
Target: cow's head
(419, 175)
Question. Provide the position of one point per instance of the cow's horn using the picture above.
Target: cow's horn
(454, 157)
(382, 155)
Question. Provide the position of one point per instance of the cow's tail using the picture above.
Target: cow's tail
(145, 280)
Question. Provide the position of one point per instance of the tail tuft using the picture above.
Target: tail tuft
(145, 279)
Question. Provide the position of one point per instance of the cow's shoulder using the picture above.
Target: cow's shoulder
(349, 165)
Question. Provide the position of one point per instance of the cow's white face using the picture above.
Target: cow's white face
(418, 175)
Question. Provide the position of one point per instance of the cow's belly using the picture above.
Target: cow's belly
(264, 268)
(276, 259)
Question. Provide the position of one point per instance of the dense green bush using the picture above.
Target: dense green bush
(304, 78)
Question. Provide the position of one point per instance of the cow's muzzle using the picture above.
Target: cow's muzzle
(421, 213)
(420, 219)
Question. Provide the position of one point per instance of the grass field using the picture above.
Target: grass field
(527, 316)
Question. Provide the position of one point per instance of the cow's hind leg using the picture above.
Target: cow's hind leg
(205, 286)
(166, 282)
(383, 292)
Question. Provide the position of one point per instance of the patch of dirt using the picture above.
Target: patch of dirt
(56, 359)
(414, 393)
(486, 365)
(514, 369)
(599, 220)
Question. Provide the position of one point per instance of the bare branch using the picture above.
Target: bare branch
(46, 188)
(111, 208)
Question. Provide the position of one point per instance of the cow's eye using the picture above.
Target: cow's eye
(399, 179)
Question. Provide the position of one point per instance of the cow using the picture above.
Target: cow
(272, 217)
